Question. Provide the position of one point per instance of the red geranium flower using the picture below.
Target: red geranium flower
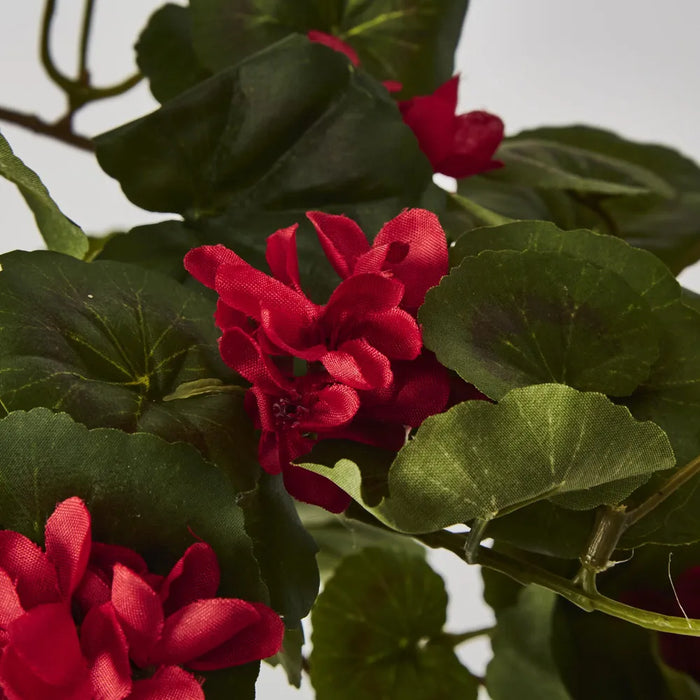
(456, 145)
(333, 42)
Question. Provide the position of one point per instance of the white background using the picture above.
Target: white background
(627, 65)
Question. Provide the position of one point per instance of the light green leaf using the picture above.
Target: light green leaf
(57, 230)
(377, 633)
(541, 442)
(509, 319)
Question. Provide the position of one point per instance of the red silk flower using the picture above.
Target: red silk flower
(45, 654)
(458, 145)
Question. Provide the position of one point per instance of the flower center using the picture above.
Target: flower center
(288, 414)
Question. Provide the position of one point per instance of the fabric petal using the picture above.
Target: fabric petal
(34, 575)
(195, 576)
(226, 318)
(342, 240)
(291, 333)
(333, 42)
(168, 683)
(204, 262)
(381, 257)
(359, 365)
(259, 640)
(427, 258)
(105, 648)
(281, 256)
(139, 611)
(395, 333)
(68, 537)
(309, 487)
(335, 405)
(10, 605)
(200, 627)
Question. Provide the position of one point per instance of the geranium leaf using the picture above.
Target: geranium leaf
(576, 449)
(260, 143)
(410, 41)
(165, 55)
(641, 270)
(377, 632)
(668, 227)
(290, 657)
(551, 165)
(507, 319)
(144, 493)
(57, 230)
(523, 664)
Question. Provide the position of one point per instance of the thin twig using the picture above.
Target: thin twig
(83, 74)
(60, 130)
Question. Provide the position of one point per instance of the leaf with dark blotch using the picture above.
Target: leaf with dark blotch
(57, 230)
(165, 55)
(508, 319)
(377, 632)
(250, 138)
(107, 342)
(576, 449)
(641, 270)
(410, 41)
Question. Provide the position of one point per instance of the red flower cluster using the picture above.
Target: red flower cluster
(127, 616)
(677, 650)
(366, 377)
(458, 145)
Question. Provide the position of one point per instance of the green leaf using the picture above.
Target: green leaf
(551, 165)
(681, 686)
(57, 230)
(290, 656)
(523, 666)
(666, 226)
(284, 549)
(142, 492)
(338, 536)
(509, 319)
(249, 140)
(164, 53)
(412, 41)
(377, 633)
(641, 270)
(577, 449)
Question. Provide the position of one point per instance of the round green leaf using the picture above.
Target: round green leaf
(479, 459)
(377, 633)
(509, 319)
(641, 270)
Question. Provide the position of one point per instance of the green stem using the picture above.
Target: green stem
(46, 59)
(454, 639)
(476, 534)
(527, 573)
(83, 75)
(481, 214)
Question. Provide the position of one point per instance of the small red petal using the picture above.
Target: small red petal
(359, 365)
(10, 606)
(203, 262)
(333, 42)
(240, 352)
(281, 256)
(309, 487)
(195, 576)
(341, 238)
(168, 683)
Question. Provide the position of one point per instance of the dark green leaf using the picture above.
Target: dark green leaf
(142, 492)
(578, 450)
(412, 41)
(165, 55)
(523, 665)
(377, 633)
(284, 549)
(666, 226)
(250, 139)
(641, 270)
(508, 319)
(290, 656)
(57, 230)
(551, 165)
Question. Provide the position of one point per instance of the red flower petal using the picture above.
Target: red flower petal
(395, 333)
(45, 640)
(34, 575)
(341, 238)
(195, 576)
(335, 405)
(202, 626)
(293, 333)
(227, 318)
(259, 640)
(68, 539)
(168, 683)
(427, 258)
(204, 262)
(392, 85)
(10, 606)
(333, 42)
(309, 487)
(476, 136)
(104, 645)
(359, 365)
(139, 611)
(281, 256)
